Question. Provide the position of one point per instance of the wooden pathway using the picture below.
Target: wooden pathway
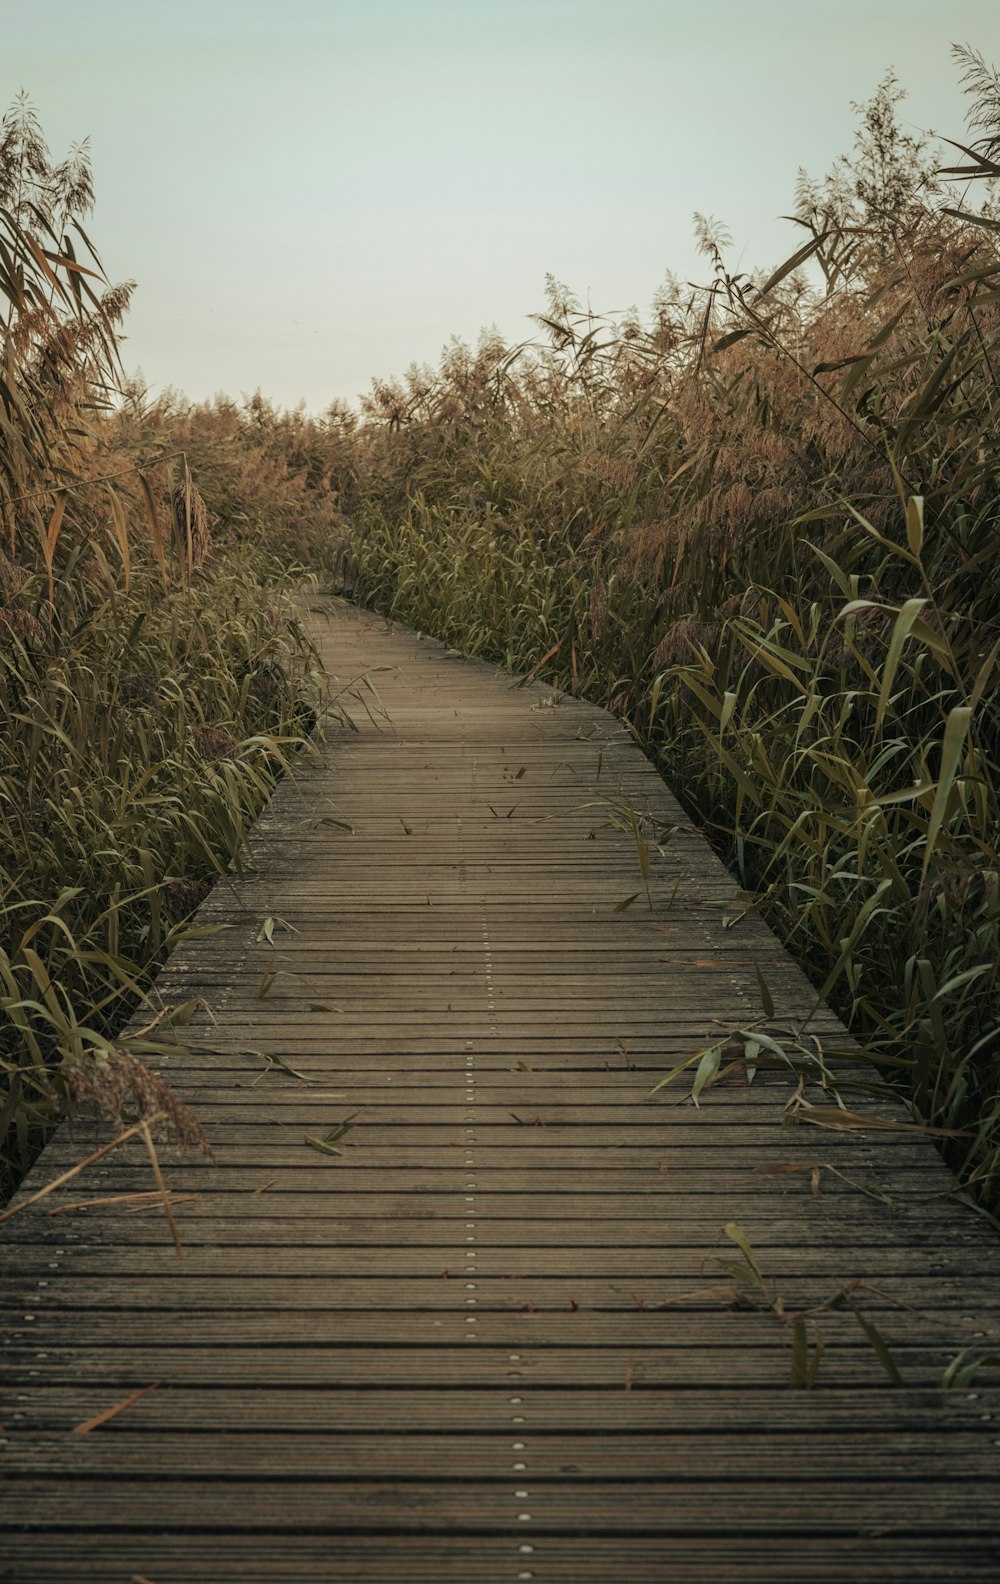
(492, 1340)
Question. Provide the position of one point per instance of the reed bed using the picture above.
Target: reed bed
(155, 679)
(763, 526)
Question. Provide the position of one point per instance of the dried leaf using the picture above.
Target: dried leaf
(112, 1413)
(839, 1121)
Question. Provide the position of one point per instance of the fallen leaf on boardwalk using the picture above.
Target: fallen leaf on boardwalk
(804, 1166)
(327, 1145)
(727, 1295)
(279, 1061)
(707, 1071)
(112, 1413)
(157, 1204)
(323, 1146)
(857, 1121)
(794, 1166)
(626, 902)
(626, 1056)
(267, 979)
(735, 1233)
(108, 1199)
(873, 1193)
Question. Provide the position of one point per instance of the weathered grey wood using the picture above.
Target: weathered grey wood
(605, 1456)
(742, 1358)
(388, 1558)
(514, 1278)
(953, 1417)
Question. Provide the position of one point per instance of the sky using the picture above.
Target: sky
(312, 193)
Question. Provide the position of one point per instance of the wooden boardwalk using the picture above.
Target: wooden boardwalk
(492, 1340)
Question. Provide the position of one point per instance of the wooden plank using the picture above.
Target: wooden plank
(392, 1253)
(403, 1307)
(736, 1360)
(386, 1559)
(137, 1226)
(952, 1417)
(407, 1454)
(276, 1507)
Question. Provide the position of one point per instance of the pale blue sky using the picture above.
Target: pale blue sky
(313, 192)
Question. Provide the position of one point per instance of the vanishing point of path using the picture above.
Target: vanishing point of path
(492, 1340)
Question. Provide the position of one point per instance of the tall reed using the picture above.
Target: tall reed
(154, 674)
(763, 526)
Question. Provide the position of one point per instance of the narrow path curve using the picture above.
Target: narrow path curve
(502, 1335)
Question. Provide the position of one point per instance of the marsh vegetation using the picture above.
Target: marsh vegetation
(762, 524)
(154, 674)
